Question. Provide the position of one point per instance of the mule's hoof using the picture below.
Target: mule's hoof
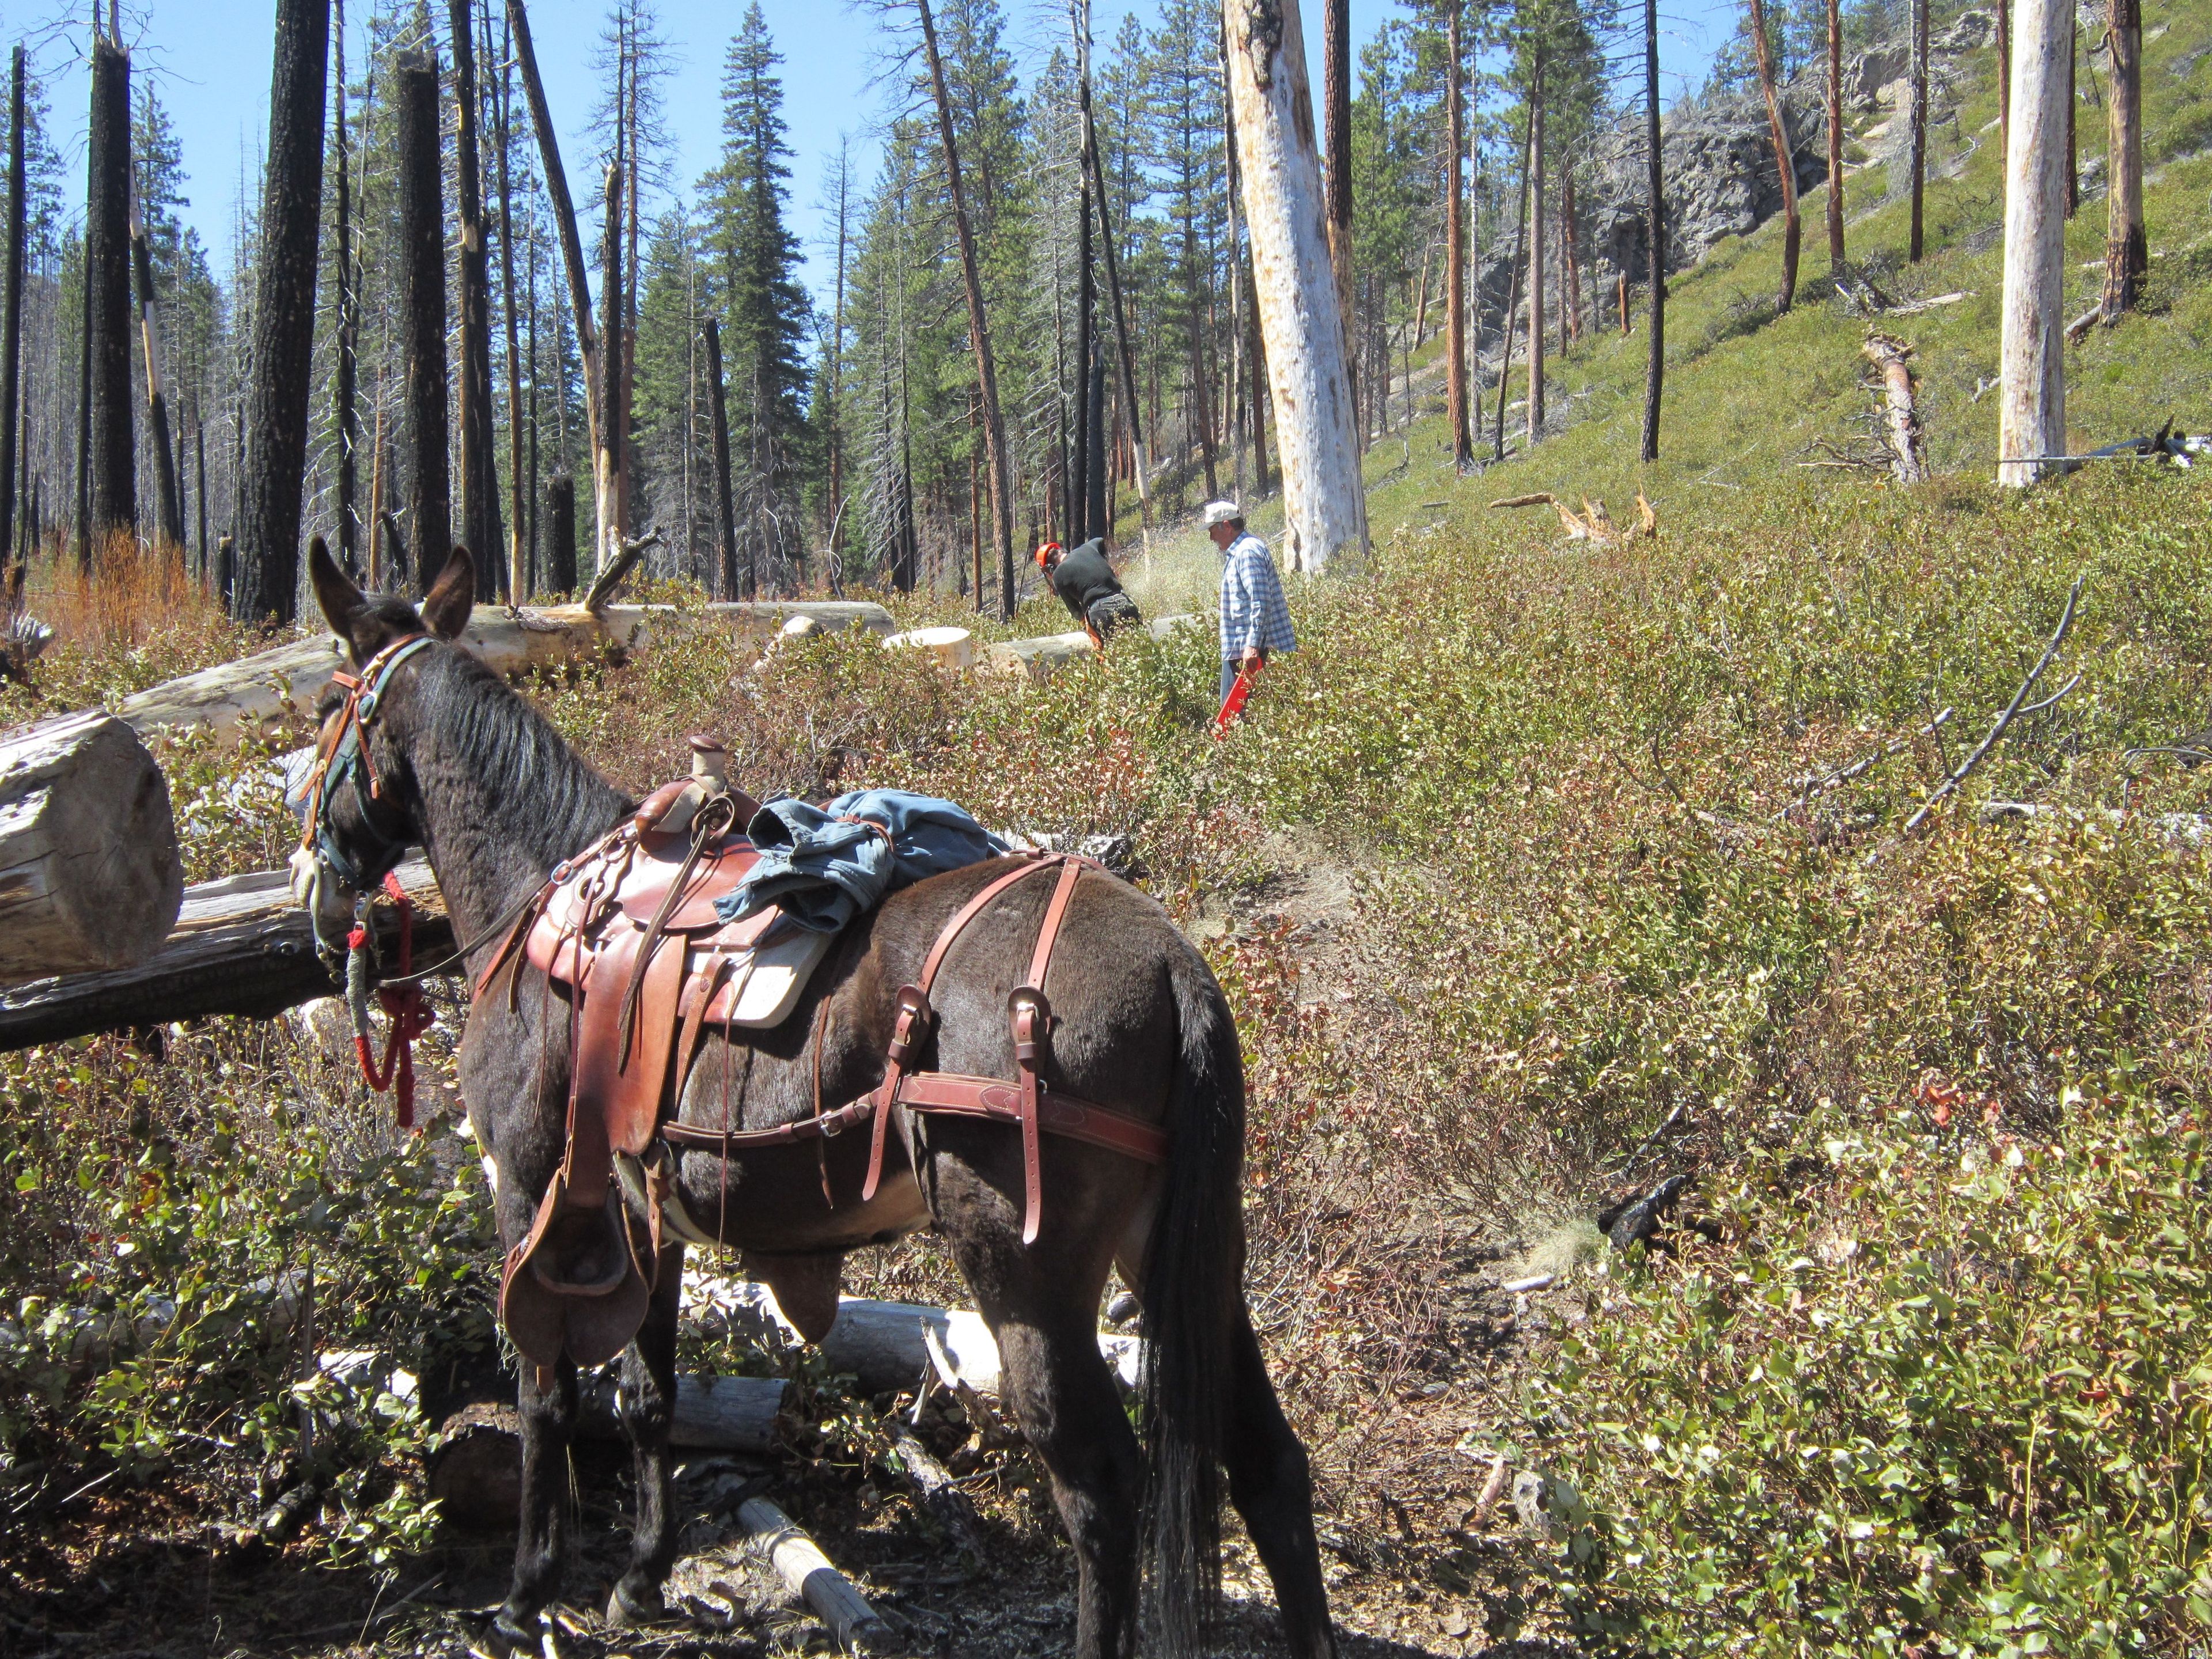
(628, 1610)
(510, 1638)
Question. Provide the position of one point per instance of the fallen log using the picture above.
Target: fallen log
(89, 875)
(884, 1346)
(942, 1500)
(1038, 659)
(1902, 414)
(261, 696)
(239, 947)
(807, 1574)
(712, 1414)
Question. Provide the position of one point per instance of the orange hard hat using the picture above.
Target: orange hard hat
(1044, 552)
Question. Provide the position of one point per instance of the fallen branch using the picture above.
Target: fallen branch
(941, 1495)
(807, 1574)
(1965, 769)
(2078, 330)
(1891, 358)
(1914, 308)
(1539, 498)
(1810, 787)
(618, 569)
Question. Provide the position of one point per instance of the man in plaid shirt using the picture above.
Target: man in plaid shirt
(1255, 623)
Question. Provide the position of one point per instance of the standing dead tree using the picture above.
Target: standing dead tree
(607, 458)
(1293, 286)
(111, 462)
(2032, 364)
(348, 344)
(979, 332)
(11, 326)
(1785, 165)
(1836, 135)
(1917, 243)
(267, 577)
(168, 497)
(1535, 223)
(423, 310)
(726, 522)
(1455, 385)
(1654, 233)
(2127, 249)
(479, 513)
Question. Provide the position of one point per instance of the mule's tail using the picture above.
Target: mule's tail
(1193, 1277)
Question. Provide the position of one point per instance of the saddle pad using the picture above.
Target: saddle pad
(764, 984)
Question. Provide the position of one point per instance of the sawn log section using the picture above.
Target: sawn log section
(240, 947)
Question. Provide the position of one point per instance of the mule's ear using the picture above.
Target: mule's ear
(345, 607)
(446, 607)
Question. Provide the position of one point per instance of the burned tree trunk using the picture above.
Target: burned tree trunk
(1836, 130)
(168, 502)
(1336, 124)
(564, 212)
(276, 413)
(1785, 165)
(979, 331)
(11, 326)
(1456, 386)
(2127, 255)
(728, 521)
(1654, 372)
(422, 310)
(479, 478)
(607, 463)
(1916, 244)
(518, 545)
(560, 534)
(1323, 501)
(349, 329)
(112, 462)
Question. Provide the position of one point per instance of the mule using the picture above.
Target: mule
(466, 769)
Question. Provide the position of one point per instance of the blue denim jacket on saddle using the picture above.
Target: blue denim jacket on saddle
(825, 864)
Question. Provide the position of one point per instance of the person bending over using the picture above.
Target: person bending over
(1087, 585)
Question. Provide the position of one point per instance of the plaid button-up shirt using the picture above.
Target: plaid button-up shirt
(1253, 611)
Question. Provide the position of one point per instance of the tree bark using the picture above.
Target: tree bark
(107, 286)
(2004, 76)
(1916, 244)
(2032, 407)
(1535, 411)
(564, 215)
(422, 312)
(11, 324)
(517, 544)
(1508, 322)
(2073, 107)
(1655, 232)
(728, 522)
(1835, 135)
(607, 462)
(1455, 384)
(1336, 115)
(1785, 164)
(979, 332)
(168, 496)
(1901, 411)
(479, 513)
(1324, 504)
(276, 413)
(1097, 173)
(1571, 284)
(2127, 249)
(1078, 482)
(560, 534)
(89, 876)
(349, 330)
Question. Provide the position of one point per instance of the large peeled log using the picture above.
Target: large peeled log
(89, 876)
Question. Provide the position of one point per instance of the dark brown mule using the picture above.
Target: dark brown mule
(495, 797)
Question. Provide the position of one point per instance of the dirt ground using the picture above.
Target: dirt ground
(164, 1574)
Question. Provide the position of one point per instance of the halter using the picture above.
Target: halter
(341, 755)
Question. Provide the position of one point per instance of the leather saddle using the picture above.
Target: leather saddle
(627, 934)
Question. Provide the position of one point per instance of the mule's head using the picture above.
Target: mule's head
(355, 799)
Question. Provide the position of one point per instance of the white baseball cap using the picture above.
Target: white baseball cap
(1221, 513)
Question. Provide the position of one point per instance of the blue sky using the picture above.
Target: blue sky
(210, 61)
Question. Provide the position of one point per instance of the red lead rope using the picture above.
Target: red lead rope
(405, 1006)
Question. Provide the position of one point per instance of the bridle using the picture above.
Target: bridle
(343, 760)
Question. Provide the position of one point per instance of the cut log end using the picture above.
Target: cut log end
(89, 876)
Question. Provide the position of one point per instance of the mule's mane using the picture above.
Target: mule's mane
(540, 794)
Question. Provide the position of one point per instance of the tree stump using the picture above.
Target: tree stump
(89, 876)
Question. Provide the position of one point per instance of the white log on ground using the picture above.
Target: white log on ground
(1294, 289)
(1901, 412)
(954, 648)
(263, 695)
(2032, 401)
(883, 1343)
(239, 947)
(1037, 659)
(712, 1414)
(807, 1573)
(89, 876)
